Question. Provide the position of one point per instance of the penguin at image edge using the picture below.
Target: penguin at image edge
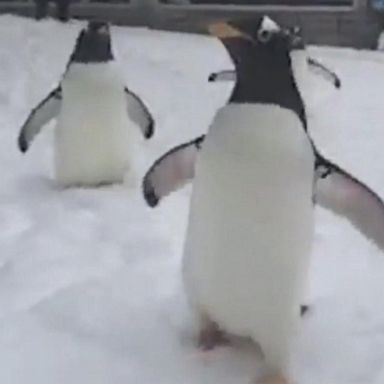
(257, 177)
(96, 113)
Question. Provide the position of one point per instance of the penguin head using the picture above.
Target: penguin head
(263, 33)
(93, 45)
(260, 47)
(261, 51)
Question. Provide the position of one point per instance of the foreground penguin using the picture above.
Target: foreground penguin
(257, 176)
(93, 137)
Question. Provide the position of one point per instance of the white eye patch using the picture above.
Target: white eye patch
(268, 24)
(268, 28)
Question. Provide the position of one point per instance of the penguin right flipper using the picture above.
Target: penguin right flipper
(45, 111)
(172, 171)
(139, 113)
(343, 194)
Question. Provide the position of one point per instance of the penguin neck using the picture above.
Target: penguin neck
(261, 80)
(92, 52)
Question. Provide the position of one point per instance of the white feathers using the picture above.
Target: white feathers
(250, 226)
(93, 135)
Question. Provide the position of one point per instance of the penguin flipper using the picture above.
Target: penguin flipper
(325, 72)
(172, 171)
(225, 75)
(139, 113)
(343, 194)
(44, 112)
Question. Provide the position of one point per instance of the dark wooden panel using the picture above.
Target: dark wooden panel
(306, 3)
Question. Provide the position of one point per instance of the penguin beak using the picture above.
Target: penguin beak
(297, 42)
(295, 38)
(223, 30)
(98, 27)
(104, 30)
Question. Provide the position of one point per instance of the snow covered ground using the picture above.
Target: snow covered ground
(90, 287)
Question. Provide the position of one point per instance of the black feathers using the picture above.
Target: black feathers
(264, 75)
(93, 45)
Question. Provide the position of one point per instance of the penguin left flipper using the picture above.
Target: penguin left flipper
(343, 194)
(139, 113)
(172, 171)
(44, 112)
(321, 69)
(225, 75)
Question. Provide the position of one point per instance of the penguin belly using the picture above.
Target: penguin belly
(93, 137)
(250, 226)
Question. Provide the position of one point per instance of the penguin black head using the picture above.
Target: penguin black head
(263, 33)
(261, 52)
(93, 45)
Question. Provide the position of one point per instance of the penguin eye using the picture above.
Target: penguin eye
(265, 35)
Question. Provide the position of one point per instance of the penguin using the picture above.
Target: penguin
(257, 177)
(62, 9)
(93, 137)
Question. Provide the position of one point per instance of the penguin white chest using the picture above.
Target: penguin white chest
(93, 135)
(251, 220)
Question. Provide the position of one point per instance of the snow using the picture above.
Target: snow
(90, 288)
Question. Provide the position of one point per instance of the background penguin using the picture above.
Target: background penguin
(251, 219)
(93, 137)
(62, 9)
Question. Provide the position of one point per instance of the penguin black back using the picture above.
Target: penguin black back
(93, 45)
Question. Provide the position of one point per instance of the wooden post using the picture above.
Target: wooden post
(147, 11)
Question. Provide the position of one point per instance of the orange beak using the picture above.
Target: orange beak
(223, 30)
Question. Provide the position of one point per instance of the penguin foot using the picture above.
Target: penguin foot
(211, 336)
